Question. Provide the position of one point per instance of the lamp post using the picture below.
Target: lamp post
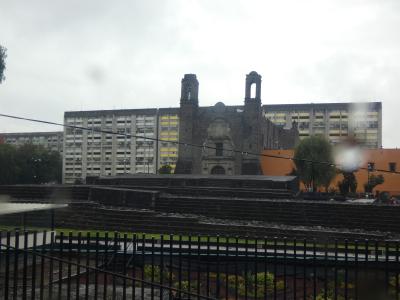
(36, 161)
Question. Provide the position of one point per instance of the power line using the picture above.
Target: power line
(204, 146)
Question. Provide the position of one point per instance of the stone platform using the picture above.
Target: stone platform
(206, 205)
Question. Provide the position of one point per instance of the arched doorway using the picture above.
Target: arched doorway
(218, 170)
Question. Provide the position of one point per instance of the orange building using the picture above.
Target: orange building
(382, 159)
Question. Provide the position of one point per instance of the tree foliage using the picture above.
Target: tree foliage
(373, 181)
(165, 169)
(29, 164)
(348, 184)
(3, 55)
(314, 162)
(8, 164)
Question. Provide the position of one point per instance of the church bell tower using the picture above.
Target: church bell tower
(252, 120)
(189, 105)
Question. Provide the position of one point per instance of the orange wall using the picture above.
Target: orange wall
(381, 158)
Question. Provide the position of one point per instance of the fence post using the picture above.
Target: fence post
(304, 268)
(69, 265)
(96, 259)
(295, 268)
(33, 281)
(198, 265)
(88, 240)
(336, 270)
(7, 266)
(227, 259)
(161, 265)
(387, 268)
(152, 266)
(124, 262)
(51, 266)
(189, 259)
(208, 267)
(217, 269)
(105, 265)
(114, 258)
(134, 249)
(275, 267)
(15, 279)
(255, 267)
(143, 263)
(346, 272)
(356, 270)
(265, 267)
(60, 265)
(180, 266)
(397, 272)
(42, 261)
(326, 270)
(246, 278)
(78, 269)
(315, 269)
(236, 266)
(25, 266)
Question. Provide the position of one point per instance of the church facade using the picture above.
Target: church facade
(221, 129)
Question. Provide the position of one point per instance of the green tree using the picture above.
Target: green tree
(29, 164)
(373, 181)
(38, 165)
(165, 169)
(8, 164)
(314, 162)
(3, 55)
(348, 184)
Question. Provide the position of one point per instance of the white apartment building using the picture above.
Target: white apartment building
(93, 153)
(50, 140)
(336, 121)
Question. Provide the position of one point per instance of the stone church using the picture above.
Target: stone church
(223, 128)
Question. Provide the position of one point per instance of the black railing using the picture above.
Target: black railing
(43, 265)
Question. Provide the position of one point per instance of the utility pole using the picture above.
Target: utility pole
(369, 169)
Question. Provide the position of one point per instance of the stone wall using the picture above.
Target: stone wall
(172, 212)
(140, 199)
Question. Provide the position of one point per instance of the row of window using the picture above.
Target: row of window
(392, 166)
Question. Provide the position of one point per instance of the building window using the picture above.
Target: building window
(219, 149)
(371, 166)
(392, 167)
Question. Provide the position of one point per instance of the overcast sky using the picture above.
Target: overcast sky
(88, 55)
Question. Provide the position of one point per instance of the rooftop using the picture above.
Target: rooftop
(31, 134)
(329, 105)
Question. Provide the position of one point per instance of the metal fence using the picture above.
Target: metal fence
(43, 265)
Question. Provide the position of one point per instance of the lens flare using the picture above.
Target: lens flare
(349, 158)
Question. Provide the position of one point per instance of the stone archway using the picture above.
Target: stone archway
(218, 170)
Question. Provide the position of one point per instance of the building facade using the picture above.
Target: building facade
(136, 150)
(250, 128)
(381, 159)
(50, 140)
(221, 129)
(336, 121)
(168, 132)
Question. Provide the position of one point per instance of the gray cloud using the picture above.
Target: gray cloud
(73, 55)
